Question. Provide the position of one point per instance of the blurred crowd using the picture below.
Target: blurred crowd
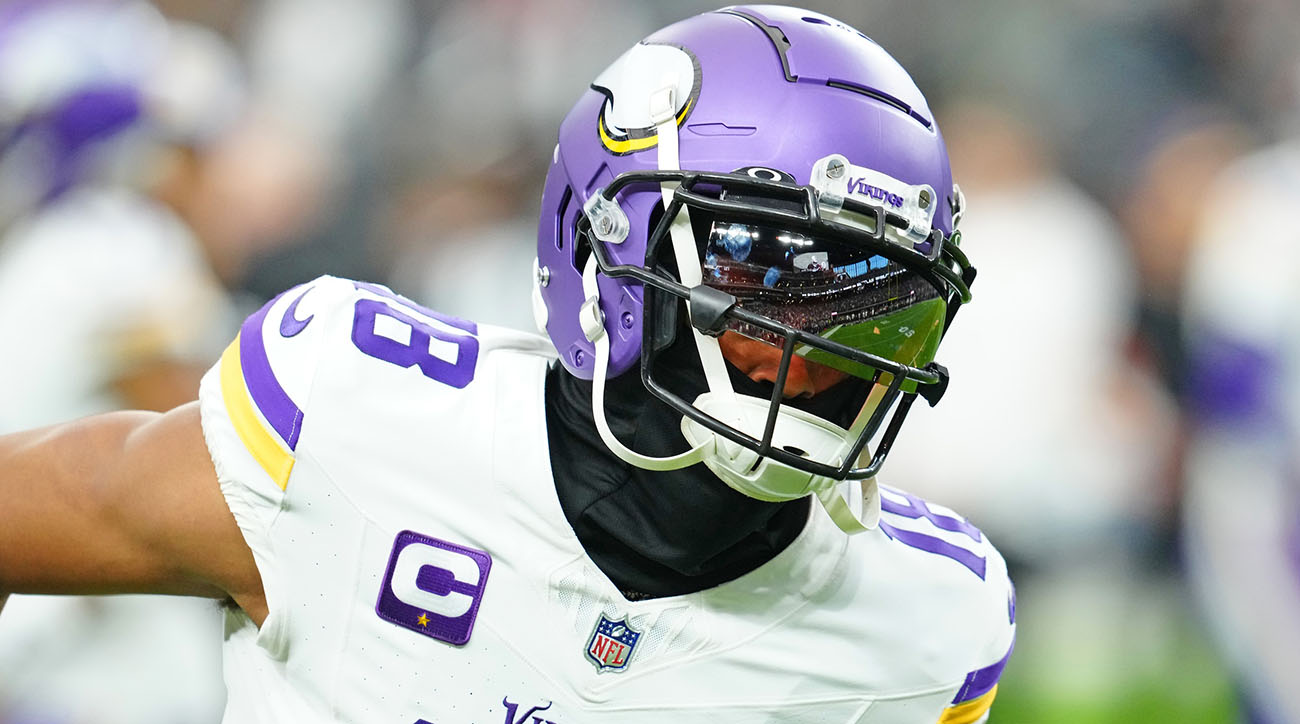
(1123, 414)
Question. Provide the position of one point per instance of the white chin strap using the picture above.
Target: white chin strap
(593, 326)
(740, 468)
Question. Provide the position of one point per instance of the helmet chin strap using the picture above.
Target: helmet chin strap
(593, 326)
(662, 106)
(662, 110)
(837, 507)
(740, 468)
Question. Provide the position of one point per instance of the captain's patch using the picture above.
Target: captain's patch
(433, 587)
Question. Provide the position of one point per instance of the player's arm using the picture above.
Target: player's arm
(118, 503)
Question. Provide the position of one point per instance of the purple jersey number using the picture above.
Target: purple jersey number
(915, 508)
(417, 349)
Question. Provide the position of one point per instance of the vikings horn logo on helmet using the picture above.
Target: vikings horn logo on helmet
(624, 125)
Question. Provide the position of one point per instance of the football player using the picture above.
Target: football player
(1241, 506)
(748, 253)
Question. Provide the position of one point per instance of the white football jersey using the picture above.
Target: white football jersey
(1241, 504)
(388, 466)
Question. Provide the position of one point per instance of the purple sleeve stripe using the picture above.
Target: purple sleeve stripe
(980, 681)
(271, 399)
(917, 508)
(931, 544)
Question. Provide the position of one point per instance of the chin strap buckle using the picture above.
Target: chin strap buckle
(663, 103)
(591, 319)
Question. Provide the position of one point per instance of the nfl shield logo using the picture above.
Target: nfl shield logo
(611, 644)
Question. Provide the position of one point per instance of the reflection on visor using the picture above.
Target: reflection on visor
(829, 288)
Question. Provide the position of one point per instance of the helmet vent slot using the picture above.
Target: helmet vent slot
(560, 217)
(774, 34)
(883, 98)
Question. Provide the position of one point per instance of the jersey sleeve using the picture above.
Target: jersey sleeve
(254, 401)
(953, 600)
(974, 698)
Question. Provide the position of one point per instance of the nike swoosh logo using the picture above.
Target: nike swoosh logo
(290, 325)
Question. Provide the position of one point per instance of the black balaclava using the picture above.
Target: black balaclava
(666, 533)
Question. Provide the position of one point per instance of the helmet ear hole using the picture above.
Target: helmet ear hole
(561, 215)
(581, 242)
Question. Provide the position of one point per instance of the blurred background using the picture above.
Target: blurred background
(1122, 416)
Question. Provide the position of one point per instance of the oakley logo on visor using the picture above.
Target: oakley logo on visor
(766, 174)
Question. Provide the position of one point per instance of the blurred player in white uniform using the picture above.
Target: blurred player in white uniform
(1242, 504)
(106, 106)
(107, 302)
(667, 510)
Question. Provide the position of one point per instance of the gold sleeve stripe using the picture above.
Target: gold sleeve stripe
(969, 711)
(265, 447)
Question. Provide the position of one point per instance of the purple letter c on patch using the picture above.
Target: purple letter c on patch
(433, 587)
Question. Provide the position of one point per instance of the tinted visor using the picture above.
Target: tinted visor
(836, 289)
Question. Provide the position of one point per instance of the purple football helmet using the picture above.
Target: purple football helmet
(773, 172)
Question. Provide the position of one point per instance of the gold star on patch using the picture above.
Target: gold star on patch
(422, 620)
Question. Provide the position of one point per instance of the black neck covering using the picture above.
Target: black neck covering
(667, 533)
